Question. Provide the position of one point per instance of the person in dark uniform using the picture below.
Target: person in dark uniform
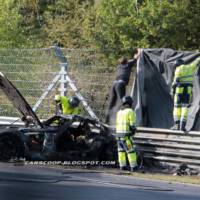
(118, 90)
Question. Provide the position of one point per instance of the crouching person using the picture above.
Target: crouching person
(125, 127)
(67, 105)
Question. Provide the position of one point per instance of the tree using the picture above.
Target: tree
(163, 23)
(11, 35)
(172, 24)
(114, 25)
(44, 22)
(63, 22)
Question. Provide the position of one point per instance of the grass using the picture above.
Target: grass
(158, 176)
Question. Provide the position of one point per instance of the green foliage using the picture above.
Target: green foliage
(11, 35)
(63, 23)
(170, 24)
(149, 23)
(116, 25)
(59, 20)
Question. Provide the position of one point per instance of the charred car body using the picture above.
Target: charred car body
(61, 137)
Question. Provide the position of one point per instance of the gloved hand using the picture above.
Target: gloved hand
(133, 130)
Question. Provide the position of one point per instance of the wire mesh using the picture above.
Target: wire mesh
(32, 70)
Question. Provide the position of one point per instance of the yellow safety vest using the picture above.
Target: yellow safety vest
(185, 73)
(124, 119)
(66, 108)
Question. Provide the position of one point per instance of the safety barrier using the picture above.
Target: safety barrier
(169, 147)
(10, 121)
(163, 146)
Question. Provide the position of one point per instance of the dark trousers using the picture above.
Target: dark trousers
(118, 91)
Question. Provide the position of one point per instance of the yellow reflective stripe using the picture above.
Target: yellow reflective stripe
(175, 98)
(187, 73)
(64, 101)
(132, 117)
(177, 113)
(177, 72)
(179, 90)
(132, 158)
(122, 159)
(184, 112)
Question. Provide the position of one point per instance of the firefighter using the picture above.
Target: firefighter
(182, 91)
(125, 128)
(67, 106)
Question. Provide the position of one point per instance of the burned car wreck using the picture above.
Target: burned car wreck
(61, 137)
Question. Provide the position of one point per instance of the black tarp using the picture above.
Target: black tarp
(151, 93)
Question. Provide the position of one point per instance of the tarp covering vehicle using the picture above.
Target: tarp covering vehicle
(152, 89)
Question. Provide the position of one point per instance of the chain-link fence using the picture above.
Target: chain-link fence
(32, 70)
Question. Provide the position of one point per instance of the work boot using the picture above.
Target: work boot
(133, 169)
(175, 127)
(182, 126)
(123, 168)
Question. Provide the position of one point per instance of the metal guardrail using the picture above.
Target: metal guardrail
(10, 120)
(160, 145)
(169, 147)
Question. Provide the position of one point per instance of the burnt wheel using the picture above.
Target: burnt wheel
(11, 146)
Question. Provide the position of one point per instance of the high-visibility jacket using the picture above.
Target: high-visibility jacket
(124, 120)
(66, 108)
(185, 73)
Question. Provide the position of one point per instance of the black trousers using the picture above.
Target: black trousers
(117, 92)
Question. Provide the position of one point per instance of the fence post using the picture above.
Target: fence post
(66, 79)
(63, 81)
(63, 70)
(46, 92)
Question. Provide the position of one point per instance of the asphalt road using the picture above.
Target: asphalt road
(40, 183)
